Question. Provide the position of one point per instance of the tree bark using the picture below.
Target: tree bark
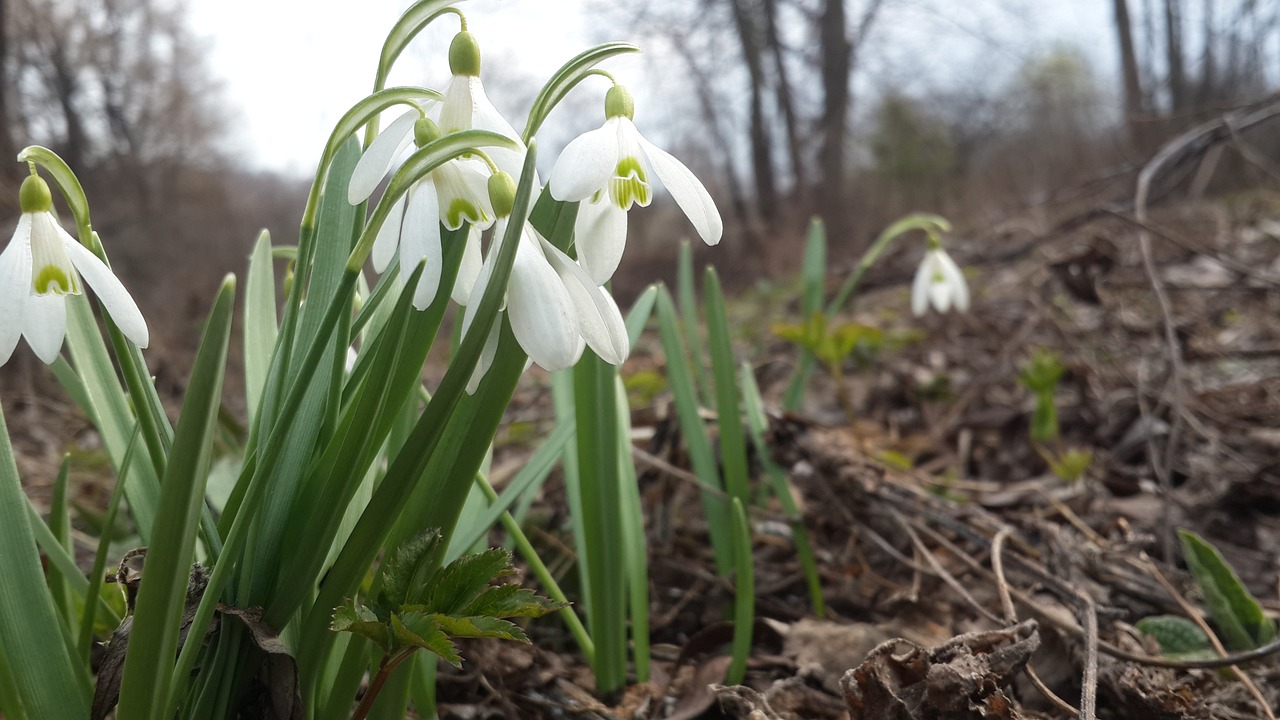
(746, 20)
(1174, 55)
(13, 172)
(837, 55)
(786, 103)
(1133, 101)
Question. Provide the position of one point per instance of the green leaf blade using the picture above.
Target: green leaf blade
(1238, 616)
(161, 596)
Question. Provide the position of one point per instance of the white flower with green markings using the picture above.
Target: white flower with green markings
(451, 195)
(939, 283)
(609, 169)
(41, 266)
(467, 107)
(556, 309)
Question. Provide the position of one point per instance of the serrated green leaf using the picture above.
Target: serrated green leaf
(1176, 635)
(1237, 615)
(463, 580)
(363, 621)
(420, 629)
(510, 600)
(406, 574)
(480, 627)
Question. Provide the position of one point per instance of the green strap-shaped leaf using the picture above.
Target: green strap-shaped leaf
(259, 322)
(695, 435)
(744, 595)
(109, 407)
(162, 594)
(813, 281)
(733, 445)
(758, 425)
(44, 676)
(1239, 618)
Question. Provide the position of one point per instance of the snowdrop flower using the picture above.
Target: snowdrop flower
(41, 265)
(554, 307)
(938, 282)
(452, 194)
(609, 169)
(467, 107)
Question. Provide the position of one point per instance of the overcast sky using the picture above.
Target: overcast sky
(291, 71)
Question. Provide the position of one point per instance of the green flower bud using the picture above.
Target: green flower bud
(34, 196)
(502, 193)
(424, 131)
(464, 55)
(618, 103)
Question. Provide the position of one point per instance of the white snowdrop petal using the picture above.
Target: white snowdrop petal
(468, 268)
(377, 159)
(599, 320)
(940, 295)
(419, 239)
(44, 323)
(487, 354)
(687, 191)
(15, 286)
(388, 238)
(119, 304)
(463, 190)
(920, 286)
(541, 310)
(456, 110)
(601, 238)
(955, 279)
(585, 164)
(485, 116)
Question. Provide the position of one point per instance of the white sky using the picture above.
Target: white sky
(292, 67)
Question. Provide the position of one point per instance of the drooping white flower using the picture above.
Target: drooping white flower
(938, 282)
(467, 107)
(609, 169)
(554, 307)
(452, 194)
(41, 265)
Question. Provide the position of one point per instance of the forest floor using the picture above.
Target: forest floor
(956, 566)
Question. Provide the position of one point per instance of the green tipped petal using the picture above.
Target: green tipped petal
(55, 280)
(630, 184)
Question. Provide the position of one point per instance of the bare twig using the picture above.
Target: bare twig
(1011, 616)
(1189, 144)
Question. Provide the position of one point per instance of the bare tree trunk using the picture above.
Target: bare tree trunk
(1174, 55)
(837, 57)
(65, 87)
(1133, 105)
(712, 116)
(749, 36)
(13, 172)
(785, 98)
